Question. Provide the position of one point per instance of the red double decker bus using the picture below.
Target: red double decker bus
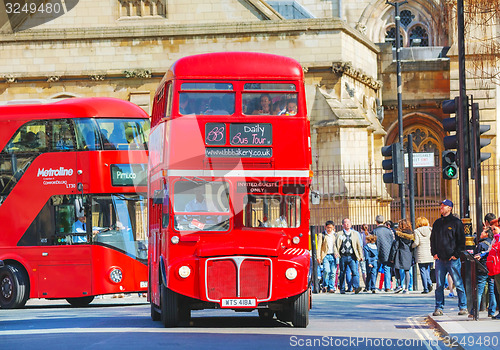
(73, 179)
(229, 187)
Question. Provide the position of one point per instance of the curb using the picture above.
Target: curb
(440, 328)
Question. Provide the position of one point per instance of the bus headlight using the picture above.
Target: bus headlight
(291, 273)
(296, 240)
(115, 275)
(184, 271)
(174, 239)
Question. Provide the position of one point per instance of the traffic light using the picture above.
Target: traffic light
(461, 136)
(450, 124)
(396, 164)
(450, 167)
(476, 141)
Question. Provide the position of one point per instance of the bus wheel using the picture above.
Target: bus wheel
(155, 315)
(266, 315)
(184, 314)
(300, 310)
(81, 301)
(14, 287)
(169, 307)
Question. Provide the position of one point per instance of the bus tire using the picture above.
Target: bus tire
(169, 307)
(184, 314)
(80, 301)
(14, 287)
(155, 315)
(300, 310)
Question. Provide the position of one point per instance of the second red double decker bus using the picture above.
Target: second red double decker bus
(72, 200)
(229, 187)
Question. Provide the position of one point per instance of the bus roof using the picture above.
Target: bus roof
(236, 65)
(101, 107)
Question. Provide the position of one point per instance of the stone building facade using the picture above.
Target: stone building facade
(122, 48)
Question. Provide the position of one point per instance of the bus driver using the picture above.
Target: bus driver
(79, 227)
(199, 204)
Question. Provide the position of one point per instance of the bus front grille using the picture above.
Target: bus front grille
(238, 277)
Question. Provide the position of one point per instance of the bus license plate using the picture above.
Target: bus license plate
(238, 302)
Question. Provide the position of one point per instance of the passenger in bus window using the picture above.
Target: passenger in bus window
(134, 139)
(228, 103)
(90, 141)
(215, 107)
(43, 139)
(184, 107)
(65, 142)
(29, 141)
(106, 143)
(278, 107)
(291, 107)
(117, 137)
(264, 106)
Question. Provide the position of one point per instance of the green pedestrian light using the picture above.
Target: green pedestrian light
(450, 167)
(451, 172)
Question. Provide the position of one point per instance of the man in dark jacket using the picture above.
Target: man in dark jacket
(447, 243)
(385, 237)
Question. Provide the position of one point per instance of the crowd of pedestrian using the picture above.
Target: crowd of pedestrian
(388, 253)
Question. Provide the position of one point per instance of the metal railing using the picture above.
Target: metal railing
(358, 192)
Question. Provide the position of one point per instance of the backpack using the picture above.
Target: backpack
(493, 260)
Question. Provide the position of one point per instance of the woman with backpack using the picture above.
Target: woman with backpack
(423, 254)
(403, 257)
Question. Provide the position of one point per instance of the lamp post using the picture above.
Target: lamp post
(462, 116)
(396, 5)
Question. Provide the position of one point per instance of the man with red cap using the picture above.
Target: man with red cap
(447, 243)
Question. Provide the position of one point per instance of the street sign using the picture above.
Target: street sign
(421, 160)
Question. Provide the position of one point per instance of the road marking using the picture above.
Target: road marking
(429, 342)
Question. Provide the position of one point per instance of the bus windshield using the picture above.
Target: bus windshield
(120, 221)
(201, 206)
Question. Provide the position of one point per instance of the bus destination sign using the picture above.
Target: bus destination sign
(240, 134)
(251, 134)
(129, 174)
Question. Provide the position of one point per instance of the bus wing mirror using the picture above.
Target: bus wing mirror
(315, 198)
(85, 207)
(158, 196)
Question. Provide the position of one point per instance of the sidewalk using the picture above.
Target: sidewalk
(461, 332)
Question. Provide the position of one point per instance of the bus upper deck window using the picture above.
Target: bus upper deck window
(264, 99)
(269, 103)
(206, 103)
(206, 98)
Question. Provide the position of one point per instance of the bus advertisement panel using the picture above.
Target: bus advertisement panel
(73, 181)
(229, 178)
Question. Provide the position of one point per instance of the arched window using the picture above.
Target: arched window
(406, 17)
(390, 36)
(414, 29)
(418, 36)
